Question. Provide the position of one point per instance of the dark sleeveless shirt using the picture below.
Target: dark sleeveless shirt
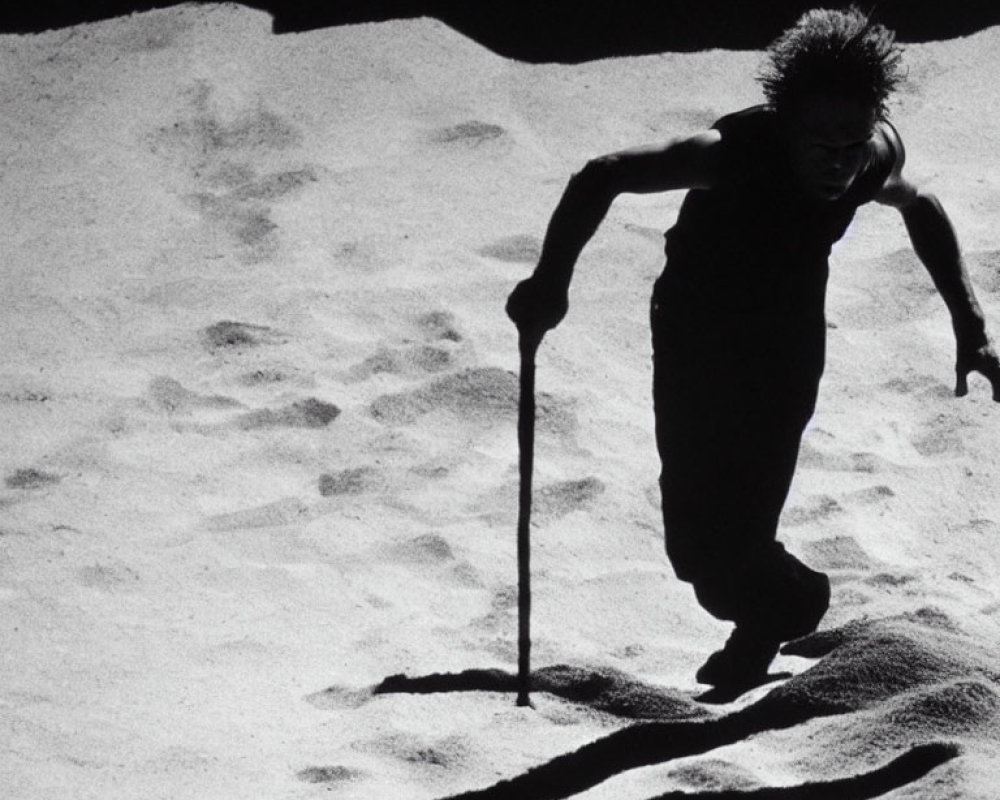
(739, 309)
(753, 243)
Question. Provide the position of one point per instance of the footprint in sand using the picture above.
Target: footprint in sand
(218, 153)
(449, 752)
(502, 605)
(471, 133)
(819, 508)
(205, 138)
(439, 325)
(273, 186)
(519, 249)
(108, 577)
(919, 385)
(167, 394)
(864, 462)
(229, 335)
(941, 437)
(413, 360)
(933, 617)
(308, 413)
(554, 500)
(812, 457)
(431, 551)
(550, 501)
(629, 651)
(242, 211)
(888, 580)
(465, 574)
(352, 481)
(485, 395)
(268, 376)
(438, 352)
(870, 496)
(23, 393)
(288, 511)
(31, 479)
(428, 548)
(837, 552)
(329, 775)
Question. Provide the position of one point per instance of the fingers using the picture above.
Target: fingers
(993, 374)
(987, 365)
(520, 310)
(535, 309)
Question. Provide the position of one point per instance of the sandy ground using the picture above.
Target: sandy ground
(259, 453)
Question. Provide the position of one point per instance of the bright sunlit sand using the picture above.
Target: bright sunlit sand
(259, 457)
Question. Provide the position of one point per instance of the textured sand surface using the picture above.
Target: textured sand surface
(258, 401)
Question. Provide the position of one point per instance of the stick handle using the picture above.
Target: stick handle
(528, 346)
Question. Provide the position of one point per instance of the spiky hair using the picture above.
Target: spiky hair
(838, 52)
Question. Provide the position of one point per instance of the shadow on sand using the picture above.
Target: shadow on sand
(861, 667)
(670, 737)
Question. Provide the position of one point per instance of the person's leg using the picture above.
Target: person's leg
(744, 574)
(729, 553)
(727, 465)
(781, 598)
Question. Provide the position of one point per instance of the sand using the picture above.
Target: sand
(258, 394)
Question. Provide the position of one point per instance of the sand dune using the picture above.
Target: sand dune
(259, 456)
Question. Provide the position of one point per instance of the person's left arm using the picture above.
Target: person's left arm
(936, 245)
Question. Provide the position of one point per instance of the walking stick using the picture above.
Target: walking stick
(528, 344)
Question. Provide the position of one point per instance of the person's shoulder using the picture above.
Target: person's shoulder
(749, 145)
(754, 118)
(890, 155)
(886, 156)
(889, 137)
(889, 150)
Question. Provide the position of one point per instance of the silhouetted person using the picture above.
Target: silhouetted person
(738, 313)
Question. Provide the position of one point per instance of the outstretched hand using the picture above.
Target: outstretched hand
(536, 306)
(983, 360)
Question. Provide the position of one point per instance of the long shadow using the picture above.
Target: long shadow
(683, 728)
(901, 771)
(640, 745)
(606, 690)
(644, 745)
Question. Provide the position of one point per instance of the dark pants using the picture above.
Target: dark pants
(732, 397)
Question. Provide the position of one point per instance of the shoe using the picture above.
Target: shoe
(802, 612)
(743, 660)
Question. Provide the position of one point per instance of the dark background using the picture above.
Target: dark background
(562, 30)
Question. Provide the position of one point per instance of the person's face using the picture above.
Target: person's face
(828, 139)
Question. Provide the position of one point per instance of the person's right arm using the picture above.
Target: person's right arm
(540, 302)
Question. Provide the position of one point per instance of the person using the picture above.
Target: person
(737, 315)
